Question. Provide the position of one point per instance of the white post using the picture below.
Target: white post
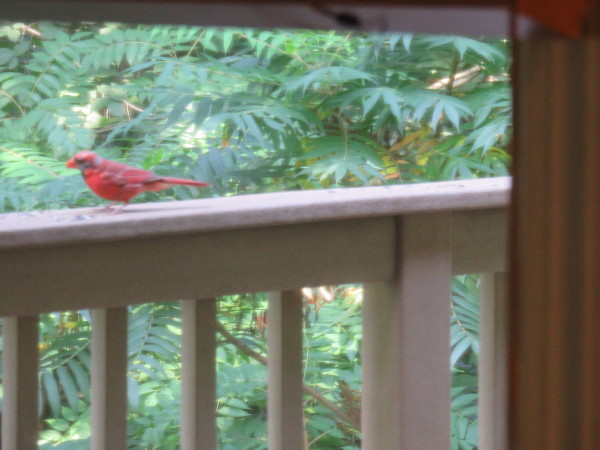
(493, 367)
(198, 377)
(381, 402)
(109, 379)
(406, 343)
(20, 383)
(284, 340)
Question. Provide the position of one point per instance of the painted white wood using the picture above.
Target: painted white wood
(493, 364)
(156, 259)
(109, 382)
(479, 241)
(198, 375)
(200, 265)
(85, 225)
(285, 410)
(20, 383)
(406, 351)
(245, 260)
(381, 402)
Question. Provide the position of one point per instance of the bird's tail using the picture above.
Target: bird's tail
(184, 182)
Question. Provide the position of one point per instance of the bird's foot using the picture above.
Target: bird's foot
(111, 208)
(104, 209)
(118, 209)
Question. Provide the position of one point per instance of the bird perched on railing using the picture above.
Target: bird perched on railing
(119, 182)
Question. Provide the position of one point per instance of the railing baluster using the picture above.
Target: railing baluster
(109, 379)
(198, 377)
(493, 375)
(380, 406)
(284, 339)
(406, 350)
(20, 383)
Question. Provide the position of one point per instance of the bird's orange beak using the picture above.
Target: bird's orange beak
(71, 164)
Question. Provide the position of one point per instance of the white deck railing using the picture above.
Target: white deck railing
(403, 242)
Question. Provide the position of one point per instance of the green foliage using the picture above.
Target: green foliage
(248, 110)
(464, 345)
(64, 363)
(465, 318)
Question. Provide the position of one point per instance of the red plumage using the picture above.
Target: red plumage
(119, 182)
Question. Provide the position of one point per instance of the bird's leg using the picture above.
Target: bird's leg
(104, 208)
(110, 208)
(119, 209)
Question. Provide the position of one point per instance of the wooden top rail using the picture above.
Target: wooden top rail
(60, 227)
(79, 258)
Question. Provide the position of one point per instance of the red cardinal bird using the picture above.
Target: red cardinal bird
(119, 182)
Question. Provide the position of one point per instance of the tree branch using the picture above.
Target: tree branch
(308, 389)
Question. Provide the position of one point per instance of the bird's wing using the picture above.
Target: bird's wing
(122, 174)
